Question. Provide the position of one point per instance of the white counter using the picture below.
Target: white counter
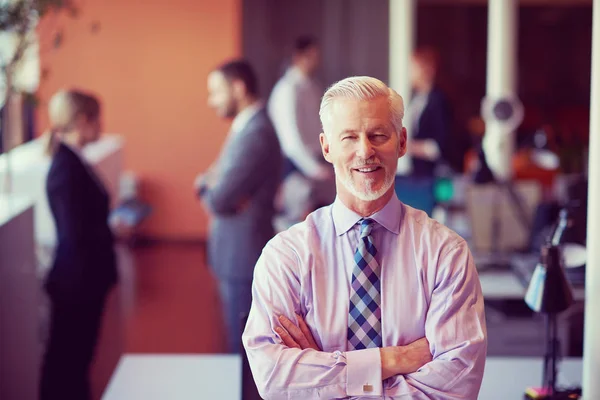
(176, 376)
(20, 339)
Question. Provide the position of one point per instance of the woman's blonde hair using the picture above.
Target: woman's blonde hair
(64, 108)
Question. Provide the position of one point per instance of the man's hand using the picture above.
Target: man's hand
(400, 360)
(208, 178)
(120, 229)
(199, 182)
(294, 336)
(425, 148)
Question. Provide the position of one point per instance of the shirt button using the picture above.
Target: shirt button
(337, 354)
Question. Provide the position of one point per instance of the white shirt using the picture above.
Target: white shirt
(413, 115)
(241, 120)
(294, 110)
(415, 110)
(429, 288)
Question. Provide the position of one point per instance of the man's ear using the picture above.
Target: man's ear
(238, 89)
(402, 142)
(325, 147)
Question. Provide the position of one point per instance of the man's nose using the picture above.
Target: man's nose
(365, 148)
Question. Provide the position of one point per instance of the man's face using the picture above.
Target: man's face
(362, 145)
(310, 59)
(220, 95)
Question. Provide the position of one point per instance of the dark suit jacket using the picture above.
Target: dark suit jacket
(84, 262)
(434, 123)
(242, 201)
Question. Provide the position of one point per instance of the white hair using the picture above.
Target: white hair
(362, 88)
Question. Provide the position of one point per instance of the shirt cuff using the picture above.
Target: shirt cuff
(363, 371)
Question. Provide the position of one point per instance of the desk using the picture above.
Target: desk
(181, 377)
(505, 285)
(210, 376)
(506, 378)
(501, 285)
(19, 293)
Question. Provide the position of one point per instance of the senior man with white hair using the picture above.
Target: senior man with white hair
(367, 297)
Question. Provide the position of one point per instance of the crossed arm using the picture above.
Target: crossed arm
(395, 360)
(286, 361)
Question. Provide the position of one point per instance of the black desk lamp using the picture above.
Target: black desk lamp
(550, 293)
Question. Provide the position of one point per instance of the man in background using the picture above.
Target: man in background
(239, 189)
(294, 110)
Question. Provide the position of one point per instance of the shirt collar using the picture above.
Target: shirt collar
(241, 120)
(389, 216)
(295, 74)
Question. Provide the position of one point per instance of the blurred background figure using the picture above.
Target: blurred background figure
(428, 115)
(429, 123)
(294, 109)
(239, 190)
(84, 267)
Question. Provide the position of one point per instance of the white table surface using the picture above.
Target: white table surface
(504, 285)
(207, 376)
(501, 285)
(177, 377)
(506, 378)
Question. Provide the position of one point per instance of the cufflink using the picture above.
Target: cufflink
(367, 388)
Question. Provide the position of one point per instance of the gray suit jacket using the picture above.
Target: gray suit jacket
(242, 200)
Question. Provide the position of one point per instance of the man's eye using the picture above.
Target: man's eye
(380, 136)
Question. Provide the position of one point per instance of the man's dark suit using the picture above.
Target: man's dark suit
(83, 271)
(242, 204)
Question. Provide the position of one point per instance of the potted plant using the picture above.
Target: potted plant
(18, 20)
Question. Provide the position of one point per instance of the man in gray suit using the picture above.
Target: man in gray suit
(239, 190)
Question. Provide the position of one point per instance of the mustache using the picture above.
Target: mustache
(371, 162)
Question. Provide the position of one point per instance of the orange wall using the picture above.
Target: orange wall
(148, 62)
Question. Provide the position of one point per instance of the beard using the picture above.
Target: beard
(368, 191)
(228, 109)
(231, 110)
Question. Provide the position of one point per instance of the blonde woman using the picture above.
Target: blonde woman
(84, 266)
